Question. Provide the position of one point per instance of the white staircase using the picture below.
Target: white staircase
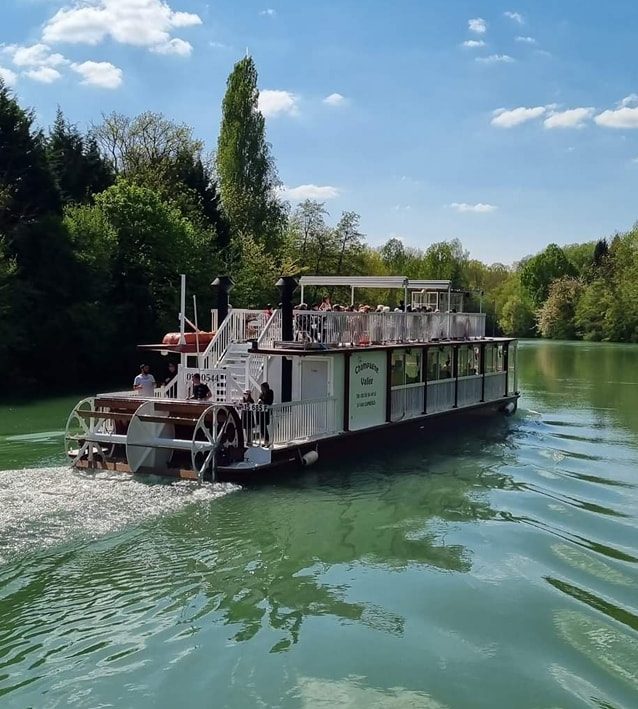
(244, 368)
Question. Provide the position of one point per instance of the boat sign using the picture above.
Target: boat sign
(367, 389)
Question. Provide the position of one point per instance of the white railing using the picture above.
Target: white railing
(256, 365)
(494, 386)
(334, 329)
(168, 391)
(303, 420)
(469, 390)
(440, 395)
(271, 332)
(407, 401)
(239, 326)
(223, 387)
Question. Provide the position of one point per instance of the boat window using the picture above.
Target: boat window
(412, 365)
(489, 359)
(439, 363)
(512, 370)
(406, 366)
(499, 359)
(469, 360)
(493, 358)
(397, 368)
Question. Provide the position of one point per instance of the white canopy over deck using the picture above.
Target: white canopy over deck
(384, 282)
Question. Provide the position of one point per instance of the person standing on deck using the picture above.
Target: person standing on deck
(144, 382)
(171, 373)
(199, 390)
(267, 399)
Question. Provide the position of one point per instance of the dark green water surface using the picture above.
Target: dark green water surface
(496, 567)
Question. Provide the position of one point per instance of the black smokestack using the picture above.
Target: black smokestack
(223, 284)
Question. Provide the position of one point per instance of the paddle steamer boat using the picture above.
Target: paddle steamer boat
(340, 379)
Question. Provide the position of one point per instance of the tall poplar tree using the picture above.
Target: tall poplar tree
(247, 174)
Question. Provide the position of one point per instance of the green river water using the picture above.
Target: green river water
(493, 567)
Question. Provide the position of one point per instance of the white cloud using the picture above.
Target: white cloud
(174, 46)
(630, 100)
(515, 16)
(503, 118)
(274, 102)
(496, 59)
(477, 25)
(9, 77)
(335, 100)
(525, 40)
(298, 194)
(473, 43)
(102, 74)
(33, 56)
(43, 74)
(571, 118)
(478, 208)
(143, 23)
(268, 12)
(624, 117)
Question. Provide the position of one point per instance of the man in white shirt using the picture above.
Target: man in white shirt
(144, 383)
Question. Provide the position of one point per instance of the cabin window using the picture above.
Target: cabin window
(493, 358)
(406, 366)
(439, 363)
(512, 371)
(469, 360)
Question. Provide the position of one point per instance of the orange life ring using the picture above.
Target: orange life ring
(190, 338)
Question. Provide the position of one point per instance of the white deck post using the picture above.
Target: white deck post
(182, 314)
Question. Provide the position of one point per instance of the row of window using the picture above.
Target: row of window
(407, 363)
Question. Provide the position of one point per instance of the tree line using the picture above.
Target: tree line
(96, 226)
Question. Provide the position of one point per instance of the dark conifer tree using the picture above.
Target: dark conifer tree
(27, 187)
(79, 169)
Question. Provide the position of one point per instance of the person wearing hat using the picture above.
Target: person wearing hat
(144, 382)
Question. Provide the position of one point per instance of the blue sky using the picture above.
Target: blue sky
(526, 135)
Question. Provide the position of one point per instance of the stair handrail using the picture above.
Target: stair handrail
(234, 329)
(272, 330)
(208, 360)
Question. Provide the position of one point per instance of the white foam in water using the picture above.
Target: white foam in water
(45, 506)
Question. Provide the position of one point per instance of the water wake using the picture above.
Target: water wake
(46, 506)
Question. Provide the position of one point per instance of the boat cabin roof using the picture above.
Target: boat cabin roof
(374, 282)
(301, 349)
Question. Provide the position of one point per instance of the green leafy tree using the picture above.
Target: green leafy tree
(446, 260)
(163, 155)
(255, 275)
(307, 226)
(556, 316)
(349, 243)
(538, 272)
(393, 256)
(246, 169)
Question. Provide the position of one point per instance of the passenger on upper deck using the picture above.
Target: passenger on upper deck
(325, 304)
(144, 382)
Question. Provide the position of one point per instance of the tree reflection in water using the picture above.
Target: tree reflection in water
(265, 557)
